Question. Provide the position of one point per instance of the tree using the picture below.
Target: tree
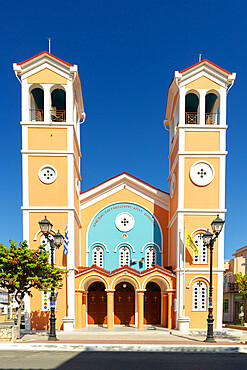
(241, 280)
(22, 269)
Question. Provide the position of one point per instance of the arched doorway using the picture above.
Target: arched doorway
(97, 304)
(152, 304)
(124, 304)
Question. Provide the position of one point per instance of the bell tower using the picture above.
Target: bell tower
(196, 120)
(52, 109)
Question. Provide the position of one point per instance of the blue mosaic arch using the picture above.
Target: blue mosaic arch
(145, 232)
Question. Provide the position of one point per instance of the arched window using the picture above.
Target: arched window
(58, 105)
(37, 104)
(199, 296)
(150, 257)
(203, 253)
(98, 256)
(124, 256)
(212, 109)
(191, 109)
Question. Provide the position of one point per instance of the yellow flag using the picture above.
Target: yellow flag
(190, 242)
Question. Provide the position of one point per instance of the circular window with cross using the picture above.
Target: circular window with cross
(202, 173)
(124, 221)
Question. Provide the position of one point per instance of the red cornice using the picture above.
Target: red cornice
(45, 52)
(203, 61)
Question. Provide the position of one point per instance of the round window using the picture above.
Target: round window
(124, 221)
(47, 174)
(201, 173)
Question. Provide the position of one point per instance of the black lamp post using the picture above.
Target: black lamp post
(209, 239)
(55, 240)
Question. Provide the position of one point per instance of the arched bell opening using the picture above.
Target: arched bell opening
(97, 304)
(37, 104)
(212, 109)
(191, 109)
(124, 304)
(152, 304)
(58, 105)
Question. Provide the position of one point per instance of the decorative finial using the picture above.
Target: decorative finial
(49, 39)
(200, 57)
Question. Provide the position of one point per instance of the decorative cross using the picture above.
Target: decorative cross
(125, 222)
(199, 283)
(119, 298)
(201, 173)
(93, 298)
(102, 298)
(129, 298)
(155, 298)
(146, 298)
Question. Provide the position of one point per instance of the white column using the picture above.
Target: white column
(69, 102)
(181, 108)
(71, 267)
(219, 301)
(222, 106)
(47, 103)
(25, 116)
(202, 107)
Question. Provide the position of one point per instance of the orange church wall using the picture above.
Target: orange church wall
(201, 197)
(199, 318)
(202, 141)
(55, 194)
(194, 222)
(174, 199)
(47, 138)
(47, 76)
(125, 195)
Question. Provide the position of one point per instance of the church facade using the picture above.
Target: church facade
(127, 260)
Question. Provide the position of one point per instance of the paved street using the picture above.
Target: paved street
(120, 360)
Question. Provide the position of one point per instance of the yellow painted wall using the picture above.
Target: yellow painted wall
(46, 76)
(202, 141)
(174, 153)
(202, 83)
(55, 194)
(47, 138)
(173, 245)
(202, 197)
(123, 195)
(174, 199)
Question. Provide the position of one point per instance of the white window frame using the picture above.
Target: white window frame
(98, 256)
(124, 256)
(200, 296)
(202, 258)
(150, 257)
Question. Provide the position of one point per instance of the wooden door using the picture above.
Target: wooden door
(152, 304)
(97, 304)
(124, 304)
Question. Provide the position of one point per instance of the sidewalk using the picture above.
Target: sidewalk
(98, 338)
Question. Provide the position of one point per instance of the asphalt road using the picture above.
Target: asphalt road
(120, 360)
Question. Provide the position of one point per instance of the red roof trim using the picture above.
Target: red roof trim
(203, 61)
(124, 172)
(126, 267)
(44, 52)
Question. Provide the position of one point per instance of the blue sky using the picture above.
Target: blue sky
(127, 52)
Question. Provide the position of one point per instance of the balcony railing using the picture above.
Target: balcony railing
(58, 115)
(191, 118)
(212, 118)
(37, 114)
(233, 286)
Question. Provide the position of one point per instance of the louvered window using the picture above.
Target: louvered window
(124, 256)
(150, 257)
(98, 256)
(203, 253)
(199, 296)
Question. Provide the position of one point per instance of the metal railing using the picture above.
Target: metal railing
(58, 115)
(212, 118)
(233, 286)
(191, 118)
(37, 114)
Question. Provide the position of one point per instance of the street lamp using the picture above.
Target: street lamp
(208, 240)
(55, 240)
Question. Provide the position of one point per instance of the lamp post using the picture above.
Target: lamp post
(209, 239)
(56, 241)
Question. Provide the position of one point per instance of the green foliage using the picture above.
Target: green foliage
(241, 280)
(22, 269)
